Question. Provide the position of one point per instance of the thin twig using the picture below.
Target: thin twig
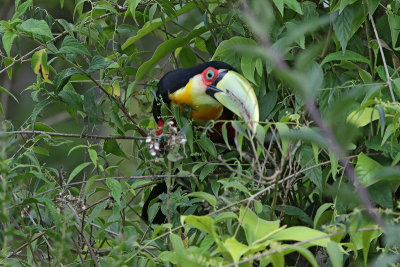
(21, 247)
(89, 246)
(388, 79)
(86, 136)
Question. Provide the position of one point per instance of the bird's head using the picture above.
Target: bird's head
(208, 88)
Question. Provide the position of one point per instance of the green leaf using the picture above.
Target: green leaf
(77, 170)
(260, 133)
(343, 4)
(334, 164)
(335, 254)
(348, 22)
(320, 211)
(153, 210)
(282, 130)
(89, 184)
(111, 146)
(93, 156)
(164, 49)
(396, 159)
(187, 57)
(367, 237)
(69, 27)
(235, 184)
(294, 5)
(204, 223)
(391, 129)
(73, 101)
(394, 23)
(150, 26)
(277, 259)
(342, 27)
(359, 239)
(315, 149)
(152, 11)
(62, 78)
(295, 211)
(41, 151)
(21, 9)
(225, 135)
(381, 194)
(116, 190)
(239, 128)
(91, 107)
(235, 248)
(279, 5)
(8, 62)
(132, 4)
(75, 148)
(381, 118)
(37, 28)
(363, 117)
(39, 126)
(248, 67)
(365, 76)
(225, 216)
(301, 233)
(365, 169)
(72, 46)
(95, 212)
(205, 196)
(198, 166)
(177, 243)
(206, 170)
(8, 39)
(233, 44)
(348, 55)
(292, 26)
(267, 104)
(98, 63)
(168, 8)
(208, 145)
(255, 228)
(306, 254)
(39, 107)
(4, 90)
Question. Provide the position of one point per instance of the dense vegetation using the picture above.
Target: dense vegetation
(316, 185)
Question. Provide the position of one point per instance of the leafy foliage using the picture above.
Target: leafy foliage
(284, 195)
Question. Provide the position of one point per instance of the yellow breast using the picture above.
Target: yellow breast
(204, 107)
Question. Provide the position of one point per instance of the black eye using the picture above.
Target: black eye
(210, 75)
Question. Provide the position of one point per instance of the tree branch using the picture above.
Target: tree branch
(86, 136)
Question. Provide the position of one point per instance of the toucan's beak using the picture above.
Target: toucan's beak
(235, 93)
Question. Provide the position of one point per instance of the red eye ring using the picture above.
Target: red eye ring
(209, 75)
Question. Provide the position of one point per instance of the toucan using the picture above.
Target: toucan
(214, 91)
